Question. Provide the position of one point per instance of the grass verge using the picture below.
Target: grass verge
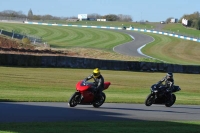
(173, 50)
(103, 126)
(58, 84)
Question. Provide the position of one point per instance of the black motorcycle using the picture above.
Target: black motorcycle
(159, 95)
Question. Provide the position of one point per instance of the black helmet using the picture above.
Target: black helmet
(170, 74)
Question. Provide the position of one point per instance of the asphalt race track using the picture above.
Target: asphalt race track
(130, 48)
(51, 112)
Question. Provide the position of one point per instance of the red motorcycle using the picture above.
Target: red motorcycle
(87, 95)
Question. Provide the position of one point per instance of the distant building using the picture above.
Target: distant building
(89, 19)
(174, 20)
(184, 21)
(82, 17)
(72, 20)
(101, 19)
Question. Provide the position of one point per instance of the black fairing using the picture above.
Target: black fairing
(161, 88)
(176, 88)
(159, 93)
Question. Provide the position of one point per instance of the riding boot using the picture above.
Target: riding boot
(82, 98)
(98, 96)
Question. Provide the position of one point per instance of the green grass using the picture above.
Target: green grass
(66, 37)
(106, 23)
(173, 50)
(179, 29)
(58, 84)
(101, 127)
(169, 49)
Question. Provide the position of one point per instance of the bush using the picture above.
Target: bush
(26, 41)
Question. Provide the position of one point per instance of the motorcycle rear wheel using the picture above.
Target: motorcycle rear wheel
(149, 100)
(97, 103)
(172, 101)
(73, 101)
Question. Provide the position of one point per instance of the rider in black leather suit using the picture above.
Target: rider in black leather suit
(169, 84)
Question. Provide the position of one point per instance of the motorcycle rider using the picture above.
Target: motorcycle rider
(98, 81)
(169, 84)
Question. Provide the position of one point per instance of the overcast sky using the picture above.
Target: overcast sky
(151, 10)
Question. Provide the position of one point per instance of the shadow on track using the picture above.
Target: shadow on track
(58, 117)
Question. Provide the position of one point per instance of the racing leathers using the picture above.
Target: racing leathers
(98, 83)
(169, 84)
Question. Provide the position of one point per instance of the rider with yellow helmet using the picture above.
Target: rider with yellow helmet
(98, 80)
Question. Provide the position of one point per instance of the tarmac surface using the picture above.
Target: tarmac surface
(56, 111)
(131, 48)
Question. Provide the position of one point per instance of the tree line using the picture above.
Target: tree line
(31, 16)
(193, 20)
(112, 17)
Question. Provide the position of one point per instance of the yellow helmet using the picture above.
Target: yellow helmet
(96, 73)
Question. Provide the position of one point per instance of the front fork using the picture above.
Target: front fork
(78, 98)
(153, 96)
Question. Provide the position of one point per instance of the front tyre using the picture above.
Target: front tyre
(99, 101)
(172, 101)
(149, 100)
(74, 100)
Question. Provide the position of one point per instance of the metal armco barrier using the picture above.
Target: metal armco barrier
(85, 63)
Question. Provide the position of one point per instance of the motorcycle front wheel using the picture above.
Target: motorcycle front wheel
(149, 100)
(99, 101)
(73, 101)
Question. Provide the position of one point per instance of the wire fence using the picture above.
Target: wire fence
(13, 34)
(13, 18)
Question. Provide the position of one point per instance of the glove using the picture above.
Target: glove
(159, 82)
(85, 80)
(168, 90)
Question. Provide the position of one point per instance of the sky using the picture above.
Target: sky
(150, 10)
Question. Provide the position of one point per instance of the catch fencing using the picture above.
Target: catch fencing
(16, 35)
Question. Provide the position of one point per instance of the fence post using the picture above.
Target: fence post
(1, 31)
(12, 34)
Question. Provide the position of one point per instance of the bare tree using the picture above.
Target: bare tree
(168, 20)
(94, 15)
(30, 14)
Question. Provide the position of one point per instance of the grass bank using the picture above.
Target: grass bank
(58, 84)
(173, 50)
(169, 49)
(100, 127)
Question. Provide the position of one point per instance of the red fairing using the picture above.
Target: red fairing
(106, 85)
(81, 87)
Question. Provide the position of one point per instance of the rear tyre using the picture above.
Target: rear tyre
(172, 101)
(99, 101)
(74, 100)
(149, 100)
